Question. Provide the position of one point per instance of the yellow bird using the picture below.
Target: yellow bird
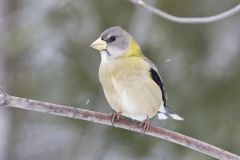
(131, 82)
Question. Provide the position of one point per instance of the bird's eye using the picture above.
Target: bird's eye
(111, 39)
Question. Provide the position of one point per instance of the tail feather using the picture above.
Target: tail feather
(165, 113)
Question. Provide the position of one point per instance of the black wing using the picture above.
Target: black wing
(155, 76)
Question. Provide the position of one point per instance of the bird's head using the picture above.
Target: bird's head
(116, 42)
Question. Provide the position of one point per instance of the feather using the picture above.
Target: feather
(165, 113)
(129, 88)
(156, 77)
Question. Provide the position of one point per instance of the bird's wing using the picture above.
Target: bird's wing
(164, 111)
(157, 79)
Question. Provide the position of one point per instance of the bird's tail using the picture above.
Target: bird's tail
(165, 113)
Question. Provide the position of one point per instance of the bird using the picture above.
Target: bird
(131, 82)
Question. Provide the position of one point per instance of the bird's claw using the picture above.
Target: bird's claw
(115, 117)
(144, 125)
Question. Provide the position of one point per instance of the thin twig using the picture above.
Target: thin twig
(194, 20)
(77, 113)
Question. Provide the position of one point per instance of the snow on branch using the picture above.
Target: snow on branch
(77, 113)
(187, 20)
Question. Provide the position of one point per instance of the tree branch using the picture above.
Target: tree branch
(77, 113)
(194, 20)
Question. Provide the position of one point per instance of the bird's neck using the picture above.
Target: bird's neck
(134, 49)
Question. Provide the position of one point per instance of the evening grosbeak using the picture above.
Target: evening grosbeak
(130, 81)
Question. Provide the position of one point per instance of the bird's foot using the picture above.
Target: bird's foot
(145, 125)
(115, 117)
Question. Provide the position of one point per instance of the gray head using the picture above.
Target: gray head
(114, 41)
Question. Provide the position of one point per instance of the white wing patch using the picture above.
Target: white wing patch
(162, 116)
(165, 113)
(162, 109)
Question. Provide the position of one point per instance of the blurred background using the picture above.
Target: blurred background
(45, 55)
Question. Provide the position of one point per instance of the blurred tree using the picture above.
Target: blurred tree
(4, 114)
(45, 55)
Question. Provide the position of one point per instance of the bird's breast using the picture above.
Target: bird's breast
(129, 89)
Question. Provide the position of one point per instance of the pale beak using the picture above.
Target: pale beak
(99, 44)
